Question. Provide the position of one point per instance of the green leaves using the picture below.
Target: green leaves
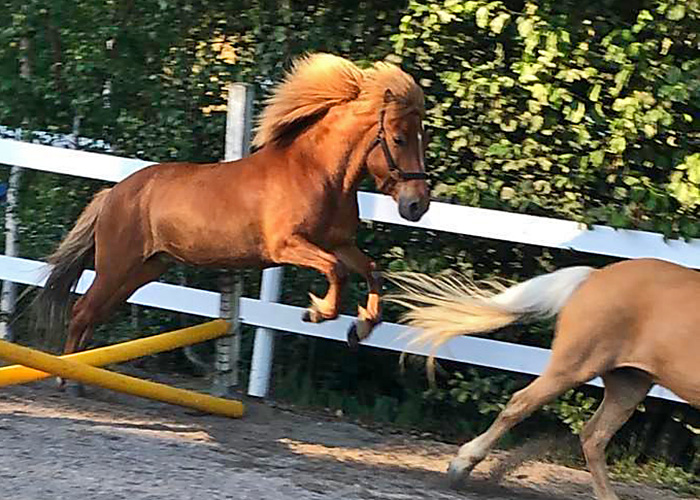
(618, 145)
(588, 97)
(684, 182)
(482, 17)
(597, 158)
(499, 22)
(676, 13)
(577, 113)
(525, 26)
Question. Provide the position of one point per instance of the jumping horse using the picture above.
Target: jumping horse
(326, 126)
(633, 323)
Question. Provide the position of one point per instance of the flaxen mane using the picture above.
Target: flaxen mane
(318, 82)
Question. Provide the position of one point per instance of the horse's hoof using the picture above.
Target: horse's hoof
(353, 338)
(75, 390)
(60, 384)
(363, 328)
(311, 316)
(455, 477)
(458, 471)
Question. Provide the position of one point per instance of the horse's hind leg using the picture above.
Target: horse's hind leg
(84, 316)
(145, 273)
(101, 299)
(624, 390)
(542, 390)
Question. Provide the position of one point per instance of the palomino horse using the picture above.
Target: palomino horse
(634, 323)
(294, 201)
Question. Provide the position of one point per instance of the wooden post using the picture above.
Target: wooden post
(228, 348)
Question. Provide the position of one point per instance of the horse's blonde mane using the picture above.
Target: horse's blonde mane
(318, 82)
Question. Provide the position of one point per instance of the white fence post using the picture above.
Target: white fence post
(238, 135)
(239, 123)
(237, 145)
(261, 365)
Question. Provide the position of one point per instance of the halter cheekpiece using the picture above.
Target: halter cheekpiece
(394, 169)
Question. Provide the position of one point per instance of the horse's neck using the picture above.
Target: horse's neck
(339, 149)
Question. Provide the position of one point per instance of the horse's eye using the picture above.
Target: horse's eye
(399, 141)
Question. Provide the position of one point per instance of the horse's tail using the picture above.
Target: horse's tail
(447, 307)
(73, 255)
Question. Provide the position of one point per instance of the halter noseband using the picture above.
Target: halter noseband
(396, 172)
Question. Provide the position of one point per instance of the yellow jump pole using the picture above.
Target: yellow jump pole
(124, 351)
(74, 370)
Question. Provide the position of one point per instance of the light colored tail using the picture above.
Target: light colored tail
(447, 307)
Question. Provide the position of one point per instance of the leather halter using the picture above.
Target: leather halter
(395, 171)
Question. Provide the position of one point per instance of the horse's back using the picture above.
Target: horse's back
(640, 289)
(198, 213)
(642, 313)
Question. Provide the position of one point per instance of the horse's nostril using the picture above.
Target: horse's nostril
(411, 209)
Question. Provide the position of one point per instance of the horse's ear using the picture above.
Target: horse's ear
(388, 96)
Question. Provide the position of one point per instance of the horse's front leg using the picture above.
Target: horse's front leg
(300, 252)
(370, 315)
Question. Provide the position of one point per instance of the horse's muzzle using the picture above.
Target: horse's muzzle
(412, 208)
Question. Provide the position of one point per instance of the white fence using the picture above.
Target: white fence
(478, 222)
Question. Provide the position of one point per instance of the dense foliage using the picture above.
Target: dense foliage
(585, 111)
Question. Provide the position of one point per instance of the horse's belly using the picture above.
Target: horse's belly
(214, 245)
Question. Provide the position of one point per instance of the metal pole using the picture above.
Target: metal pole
(263, 349)
(239, 124)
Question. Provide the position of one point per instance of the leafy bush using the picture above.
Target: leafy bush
(580, 110)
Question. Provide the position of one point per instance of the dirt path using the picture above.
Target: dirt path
(109, 446)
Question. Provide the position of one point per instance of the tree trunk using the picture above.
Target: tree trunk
(8, 296)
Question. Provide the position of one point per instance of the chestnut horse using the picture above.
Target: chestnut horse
(633, 323)
(294, 201)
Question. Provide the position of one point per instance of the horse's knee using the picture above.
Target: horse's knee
(340, 270)
(376, 278)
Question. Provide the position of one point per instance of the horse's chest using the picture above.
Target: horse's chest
(335, 224)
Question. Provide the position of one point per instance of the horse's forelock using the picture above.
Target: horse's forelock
(386, 76)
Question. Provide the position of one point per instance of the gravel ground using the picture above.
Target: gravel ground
(110, 446)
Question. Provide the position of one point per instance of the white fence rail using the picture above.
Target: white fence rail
(519, 228)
